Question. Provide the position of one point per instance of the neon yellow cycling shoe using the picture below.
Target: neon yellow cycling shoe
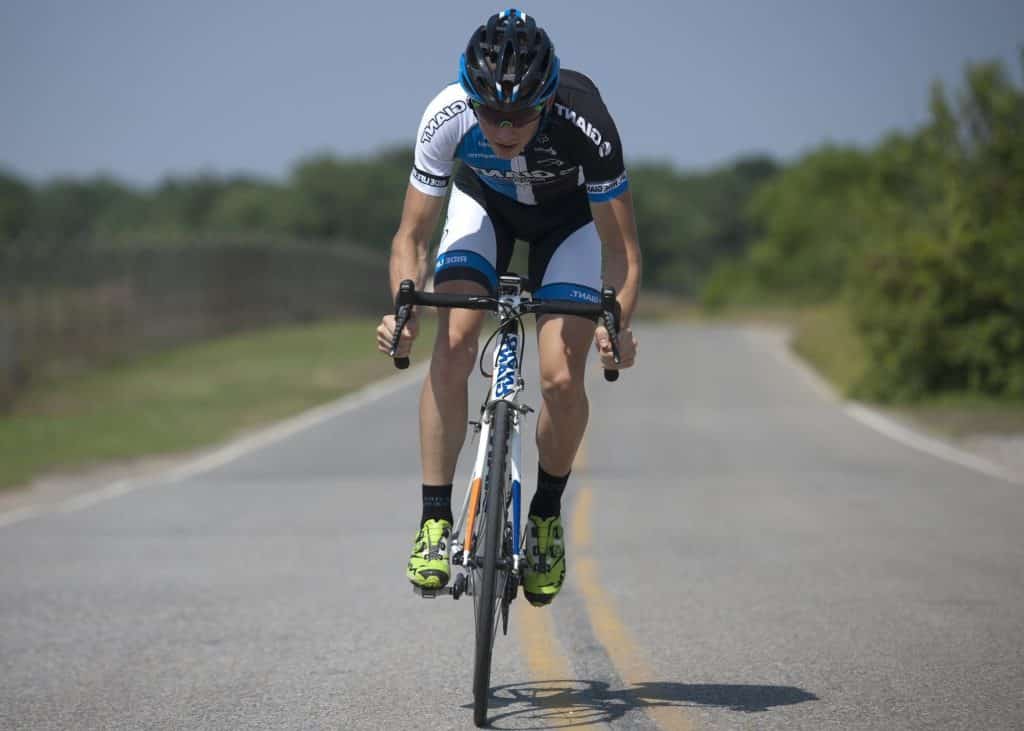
(428, 565)
(545, 560)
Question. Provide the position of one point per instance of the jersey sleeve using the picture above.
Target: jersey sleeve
(437, 138)
(604, 168)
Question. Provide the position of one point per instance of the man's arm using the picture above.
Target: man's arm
(616, 225)
(410, 245)
(409, 250)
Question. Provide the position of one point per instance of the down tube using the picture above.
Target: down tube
(517, 445)
(461, 528)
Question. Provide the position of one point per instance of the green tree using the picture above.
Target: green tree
(940, 303)
(359, 199)
(689, 221)
(253, 207)
(16, 203)
(68, 209)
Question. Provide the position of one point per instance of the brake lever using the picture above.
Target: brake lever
(403, 312)
(611, 315)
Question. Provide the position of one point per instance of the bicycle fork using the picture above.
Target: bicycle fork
(462, 536)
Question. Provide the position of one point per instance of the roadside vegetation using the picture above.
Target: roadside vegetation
(915, 247)
(825, 336)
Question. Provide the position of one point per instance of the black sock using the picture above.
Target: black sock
(437, 503)
(547, 501)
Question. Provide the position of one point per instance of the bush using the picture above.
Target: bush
(942, 315)
(941, 304)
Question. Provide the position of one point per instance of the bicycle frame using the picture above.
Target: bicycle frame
(506, 385)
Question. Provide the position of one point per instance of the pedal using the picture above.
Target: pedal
(459, 586)
(429, 593)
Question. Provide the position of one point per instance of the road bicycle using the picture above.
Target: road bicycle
(486, 551)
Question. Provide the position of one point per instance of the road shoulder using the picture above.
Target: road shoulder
(998, 454)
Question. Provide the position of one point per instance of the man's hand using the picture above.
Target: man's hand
(627, 348)
(386, 331)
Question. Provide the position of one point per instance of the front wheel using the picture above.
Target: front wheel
(488, 592)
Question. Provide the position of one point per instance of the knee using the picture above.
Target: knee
(560, 388)
(455, 355)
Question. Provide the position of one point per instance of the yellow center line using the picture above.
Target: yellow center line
(554, 681)
(607, 627)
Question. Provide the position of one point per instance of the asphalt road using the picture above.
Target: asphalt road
(743, 554)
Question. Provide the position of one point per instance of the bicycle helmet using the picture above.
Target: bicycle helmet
(509, 63)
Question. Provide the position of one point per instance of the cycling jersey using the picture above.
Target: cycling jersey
(577, 147)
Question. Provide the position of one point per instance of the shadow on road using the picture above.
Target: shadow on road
(568, 703)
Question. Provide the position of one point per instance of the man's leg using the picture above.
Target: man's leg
(467, 255)
(562, 265)
(443, 414)
(444, 399)
(563, 343)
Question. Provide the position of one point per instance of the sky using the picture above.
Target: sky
(143, 89)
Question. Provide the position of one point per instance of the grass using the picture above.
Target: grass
(826, 339)
(188, 397)
(824, 336)
(959, 416)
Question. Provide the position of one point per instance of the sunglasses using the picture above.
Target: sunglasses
(498, 118)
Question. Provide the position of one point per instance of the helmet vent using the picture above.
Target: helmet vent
(510, 63)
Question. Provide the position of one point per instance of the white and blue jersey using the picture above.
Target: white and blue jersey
(577, 148)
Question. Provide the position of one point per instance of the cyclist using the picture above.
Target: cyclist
(542, 163)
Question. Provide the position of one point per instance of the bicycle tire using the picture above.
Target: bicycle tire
(494, 529)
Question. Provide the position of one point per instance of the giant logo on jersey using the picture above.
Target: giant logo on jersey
(604, 147)
(607, 185)
(434, 181)
(521, 176)
(449, 112)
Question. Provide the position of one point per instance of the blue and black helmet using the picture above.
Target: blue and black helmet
(509, 63)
